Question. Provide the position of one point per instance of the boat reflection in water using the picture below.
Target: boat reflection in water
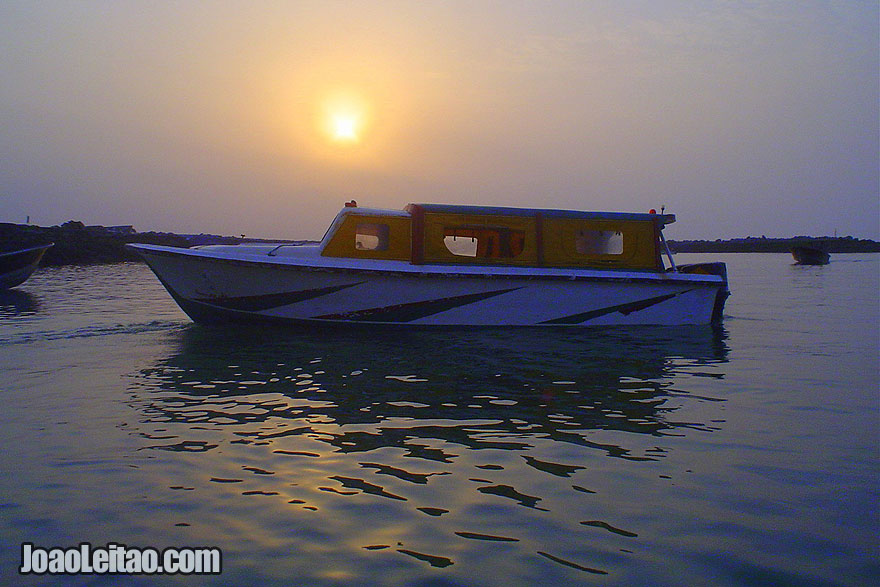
(15, 302)
(520, 380)
(460, 430)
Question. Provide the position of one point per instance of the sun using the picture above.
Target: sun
(344, 117)
(345, 128)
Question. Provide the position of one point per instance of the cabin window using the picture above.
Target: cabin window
(371, 237)
(462, 246)
(599, 242)
(489, 242)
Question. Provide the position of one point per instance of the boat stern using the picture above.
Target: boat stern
(715, 268)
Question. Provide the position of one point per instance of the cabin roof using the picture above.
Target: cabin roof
(547, 213)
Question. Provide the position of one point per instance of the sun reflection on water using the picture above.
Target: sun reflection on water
(441, 447)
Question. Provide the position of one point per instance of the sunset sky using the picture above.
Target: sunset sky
(262, 118)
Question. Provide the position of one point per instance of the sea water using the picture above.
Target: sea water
(740, 455)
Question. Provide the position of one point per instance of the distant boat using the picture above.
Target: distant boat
(810, 256)
(17, 266)
(448, 265)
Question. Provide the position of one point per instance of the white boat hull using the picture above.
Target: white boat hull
(212, 286)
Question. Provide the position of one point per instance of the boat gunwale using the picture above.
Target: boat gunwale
(27, 250)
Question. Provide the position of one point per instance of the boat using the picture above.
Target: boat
(805, 255)
(16, 266)
(441, 265)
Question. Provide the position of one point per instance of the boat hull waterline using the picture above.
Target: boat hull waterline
(215, 287)
(17, 266)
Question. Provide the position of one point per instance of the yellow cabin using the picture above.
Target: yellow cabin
(482, 235)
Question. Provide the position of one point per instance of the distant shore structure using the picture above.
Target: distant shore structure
(113, 230)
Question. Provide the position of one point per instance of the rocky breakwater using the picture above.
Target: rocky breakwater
(78, 244)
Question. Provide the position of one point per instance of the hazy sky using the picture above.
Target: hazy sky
(262, 118)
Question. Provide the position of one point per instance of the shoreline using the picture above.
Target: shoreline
(77, 244)
(829, 244)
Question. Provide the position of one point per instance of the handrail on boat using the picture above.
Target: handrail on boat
(272, 252)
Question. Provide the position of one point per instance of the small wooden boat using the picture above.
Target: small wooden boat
(809, 256)
(447, 265)
(17, 266)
